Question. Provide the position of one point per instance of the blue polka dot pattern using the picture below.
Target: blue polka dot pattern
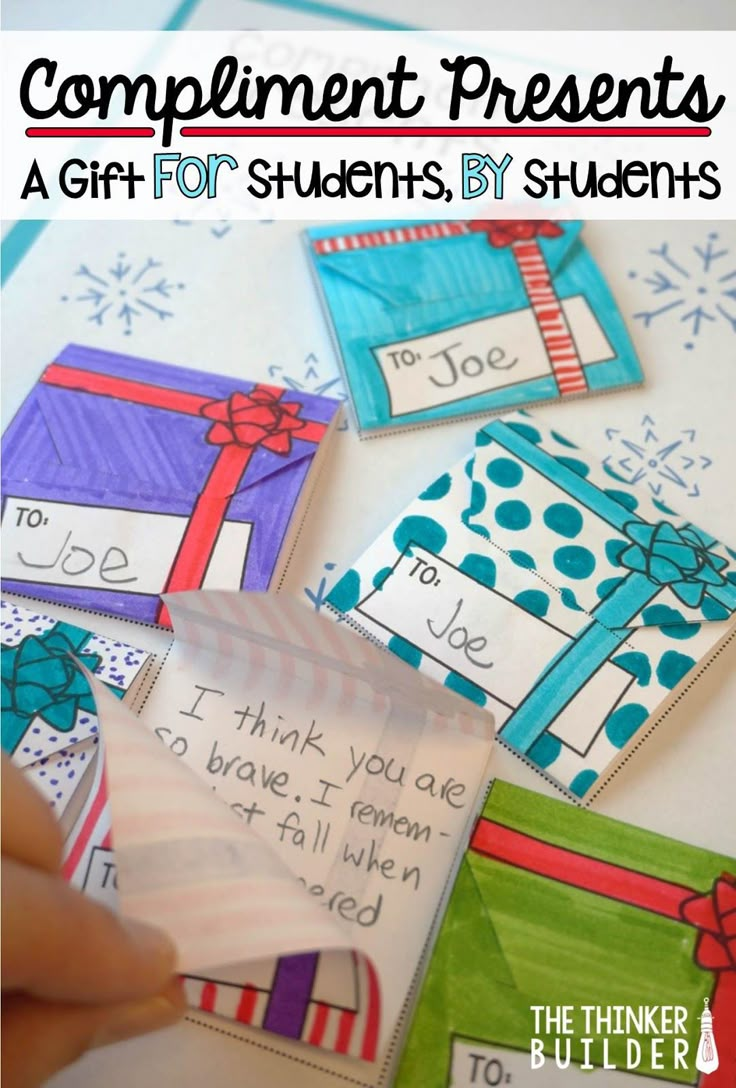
(582, 782)
(607, 586)
(673, 667)
(545, 750)
(574, 561)
(569, 600)
(534, 601)
(381, 576)
(562, 440)
(637, 663)
(564, 519)
(346, 594)
(624, 722)
(438, 489)
(613, 550)
(623, 498)
(480, 567)
(471, 691)
(522, 559)
(713, 610)
(579, 467)
(426, 532)
(477, 502)
(406, 651)
(526, 431)
(513, 515)
(504, 472)
(670, 621)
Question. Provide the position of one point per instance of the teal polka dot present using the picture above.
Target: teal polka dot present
(573, 610)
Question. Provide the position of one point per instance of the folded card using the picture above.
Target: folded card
(289, 798)
(110, 452)
(576, 950)
(534, 581)
(51, 730)
(434, 320)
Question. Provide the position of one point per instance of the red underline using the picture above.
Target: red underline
(81, 131)
(386, 131)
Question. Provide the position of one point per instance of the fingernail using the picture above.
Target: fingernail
(140, 1017)
(151, 942)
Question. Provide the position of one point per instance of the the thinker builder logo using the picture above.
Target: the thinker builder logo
(655, 1038)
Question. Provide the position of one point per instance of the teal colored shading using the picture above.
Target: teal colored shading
(464, 687)
(477, 502)
(504, 472)
(426, 532)
(569, 600)
(673, 667)
(545, 750)
(527, 432)
(562, 440)
(513, 515)
(670, 621)
(574, 561)
(612, 472)
(345, 595)
(480, 567)
(564, 519)
(713, 610)
(582, 782)
(624, 722)
(664, 507)
(483, 438)
(623, 498)
(534, 601)
(607, 586)
(381, 576)
(406, 651)
(522, 559)
(438, 489)
(637, 663)
(613, 549)
(574, 465)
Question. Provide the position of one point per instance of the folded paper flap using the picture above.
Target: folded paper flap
(158, 428)
(628, 559)
(376, 259)
(255, 622)
(190, 866)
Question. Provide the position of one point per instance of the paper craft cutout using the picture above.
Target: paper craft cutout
(435, 320)
(536, 582)
(557, 906)
(109, 451)
(302, 795)
(51, 731)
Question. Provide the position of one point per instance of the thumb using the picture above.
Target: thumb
(39, 1038)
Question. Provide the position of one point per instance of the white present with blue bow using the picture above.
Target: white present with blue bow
(533, 580)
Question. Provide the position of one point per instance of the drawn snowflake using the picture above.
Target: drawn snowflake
(644, 456)
(318, 596)
(217, 230)
(697, 288)
(126, 292)
(311, 380)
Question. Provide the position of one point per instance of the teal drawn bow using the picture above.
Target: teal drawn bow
(678, 558)
(41, 680)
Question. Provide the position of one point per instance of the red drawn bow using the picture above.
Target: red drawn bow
(714, 915)
(504, 232)
(253, 419)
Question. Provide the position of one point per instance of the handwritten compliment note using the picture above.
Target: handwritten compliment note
(362, 776)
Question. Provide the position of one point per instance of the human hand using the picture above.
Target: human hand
(74, 975)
